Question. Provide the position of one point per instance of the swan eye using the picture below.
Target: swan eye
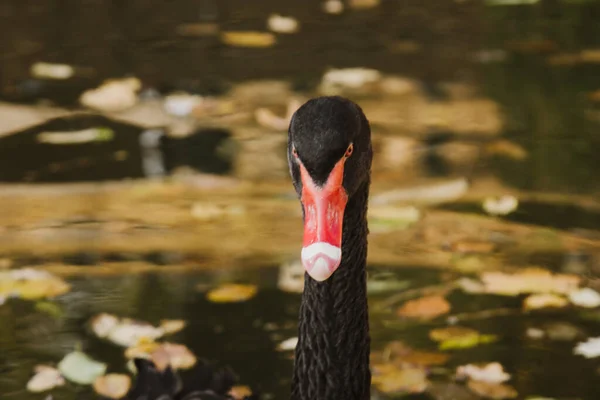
(294, 152)
(349, 150)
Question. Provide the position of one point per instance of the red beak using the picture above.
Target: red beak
(323, 219)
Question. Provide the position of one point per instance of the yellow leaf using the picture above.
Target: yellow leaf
(170, 326)
(394, 380)
(544, 300)
(248, 39)
(176, 355)
(240, 392)
(232, 293)
(532, 280)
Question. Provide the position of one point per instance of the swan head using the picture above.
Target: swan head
(329, 156)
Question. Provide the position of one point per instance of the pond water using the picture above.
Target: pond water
(504, 95)
(246, 335)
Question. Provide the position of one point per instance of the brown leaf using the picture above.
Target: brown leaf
(428, 307)
(388, 378)
(495, 391)
(177, 356)
(113, 386)
(239, 392)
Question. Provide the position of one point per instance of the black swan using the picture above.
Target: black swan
(329, 156)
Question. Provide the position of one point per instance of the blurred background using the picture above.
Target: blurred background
(143, 173)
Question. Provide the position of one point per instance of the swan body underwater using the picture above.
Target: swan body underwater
(329, 156)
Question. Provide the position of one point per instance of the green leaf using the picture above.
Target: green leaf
(78, 367)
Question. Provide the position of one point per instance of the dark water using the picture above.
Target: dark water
(505, 51)
(236, 334)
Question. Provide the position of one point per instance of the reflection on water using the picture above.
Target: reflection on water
(245, 335)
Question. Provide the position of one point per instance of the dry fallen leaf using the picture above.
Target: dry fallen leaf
(388, 378)
(231, 293)
(113, 386)
(80, 368)
(428, 307)
(31, 284)
(240, 392)
(127, 332)
(589, 348)
(585, 297)
(490, 373)
(45, 378)
(176, 355)
(170, 326)
(398, 354)
(455, 337)
(532, 280)
(495, 391)
(544, 300)
(503, 205)
(288, 344)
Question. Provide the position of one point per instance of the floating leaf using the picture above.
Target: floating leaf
(500, 206)
(90, 135)
(113, 95)
(544, 300)
(333, 6)
(45, 378)
(103, 323)
(78, 367)
(171, 326)
(490, 373)
(496, 391)
(388, 378)
(46, 70)
(533, 280)
(399, 354)
(452, 332)
(455, 337)
(585, 297)
(589, 348)
(232, 293)
(127, 332)
(240, 392)
(113, 386)
(248, 39)
(282, 24)
(181, 104)
(428, 307)
(288, 344)
(31, 284)
(176, 355)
